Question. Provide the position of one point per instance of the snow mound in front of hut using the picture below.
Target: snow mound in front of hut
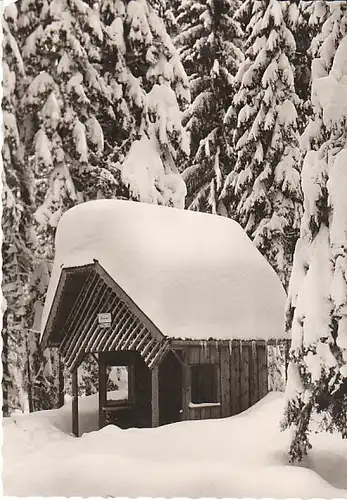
(195, 275)
(241, 456)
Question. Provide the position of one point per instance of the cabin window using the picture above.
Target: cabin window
(204, 383)
(118, 384)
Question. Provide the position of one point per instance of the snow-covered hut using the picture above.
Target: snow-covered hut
(183, 299)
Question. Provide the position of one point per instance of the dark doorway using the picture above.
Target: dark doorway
(170, 390)
(134, 409)
(131, 406)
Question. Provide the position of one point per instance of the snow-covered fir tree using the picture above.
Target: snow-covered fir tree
(263, 190)
(60, 43)
(100, 117)
(209, 45)
(16, 200)
(317, 305)
(328, 23)
(170, 17)
(65, 98)
(331, 17)
(306, 25)
(168, 12)
(154, 88)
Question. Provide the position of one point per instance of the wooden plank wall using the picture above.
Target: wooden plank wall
(248, 375)
(242, 377)
(194, 355)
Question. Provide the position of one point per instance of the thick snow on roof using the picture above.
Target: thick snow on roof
(195, 275)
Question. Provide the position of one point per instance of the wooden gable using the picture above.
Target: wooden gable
(82, 294)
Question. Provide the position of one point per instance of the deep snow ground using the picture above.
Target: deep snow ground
(242, 456)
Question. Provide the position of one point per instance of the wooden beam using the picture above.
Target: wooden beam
(225, 381)
(155, 396)
(90, 329)
(73, 336)
(186, 391)
(102, 390)
(94, 356)
(245, 379)
(77, 313)
(138, 337)
(124, 332)
(102, 339)
(74, 384)
(156, 360)
(253, 375)
(89, 322)
(262, 371)
(53, 311)
(276, 342)
(132, 335)
(152, 352)
(148, 347)
(110, 306)
(61, 397)
(118, 330)
(181, 344)
(130, 303)
(235, 377)
(104, 344)
(177, 355)
(146, 336)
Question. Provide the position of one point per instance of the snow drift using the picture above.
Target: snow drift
(242, 456)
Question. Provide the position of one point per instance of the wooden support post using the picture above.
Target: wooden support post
(186, 390)
(102, 390)
(75, 401)
(155, 396)
(61, 396)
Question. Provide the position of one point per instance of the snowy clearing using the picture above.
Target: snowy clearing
(241, 456)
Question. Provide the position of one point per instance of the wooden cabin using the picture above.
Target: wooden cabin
(182, 300)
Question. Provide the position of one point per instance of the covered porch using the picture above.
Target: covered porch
(103, 322)
(151, 398)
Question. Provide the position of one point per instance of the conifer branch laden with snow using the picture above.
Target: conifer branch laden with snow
(317, 304)
(209, 45)
(263, 190)
(306, 21)
(16, 200)
(155, 89)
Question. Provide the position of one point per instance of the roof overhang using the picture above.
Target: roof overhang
(70, 284)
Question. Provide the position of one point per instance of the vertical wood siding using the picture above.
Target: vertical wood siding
(225, 380)
(242, 377)
(235, 378)
(206, 353)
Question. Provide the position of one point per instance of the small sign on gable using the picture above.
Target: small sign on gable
(104, 320)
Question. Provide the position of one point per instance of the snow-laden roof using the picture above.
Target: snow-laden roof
(195, 275)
